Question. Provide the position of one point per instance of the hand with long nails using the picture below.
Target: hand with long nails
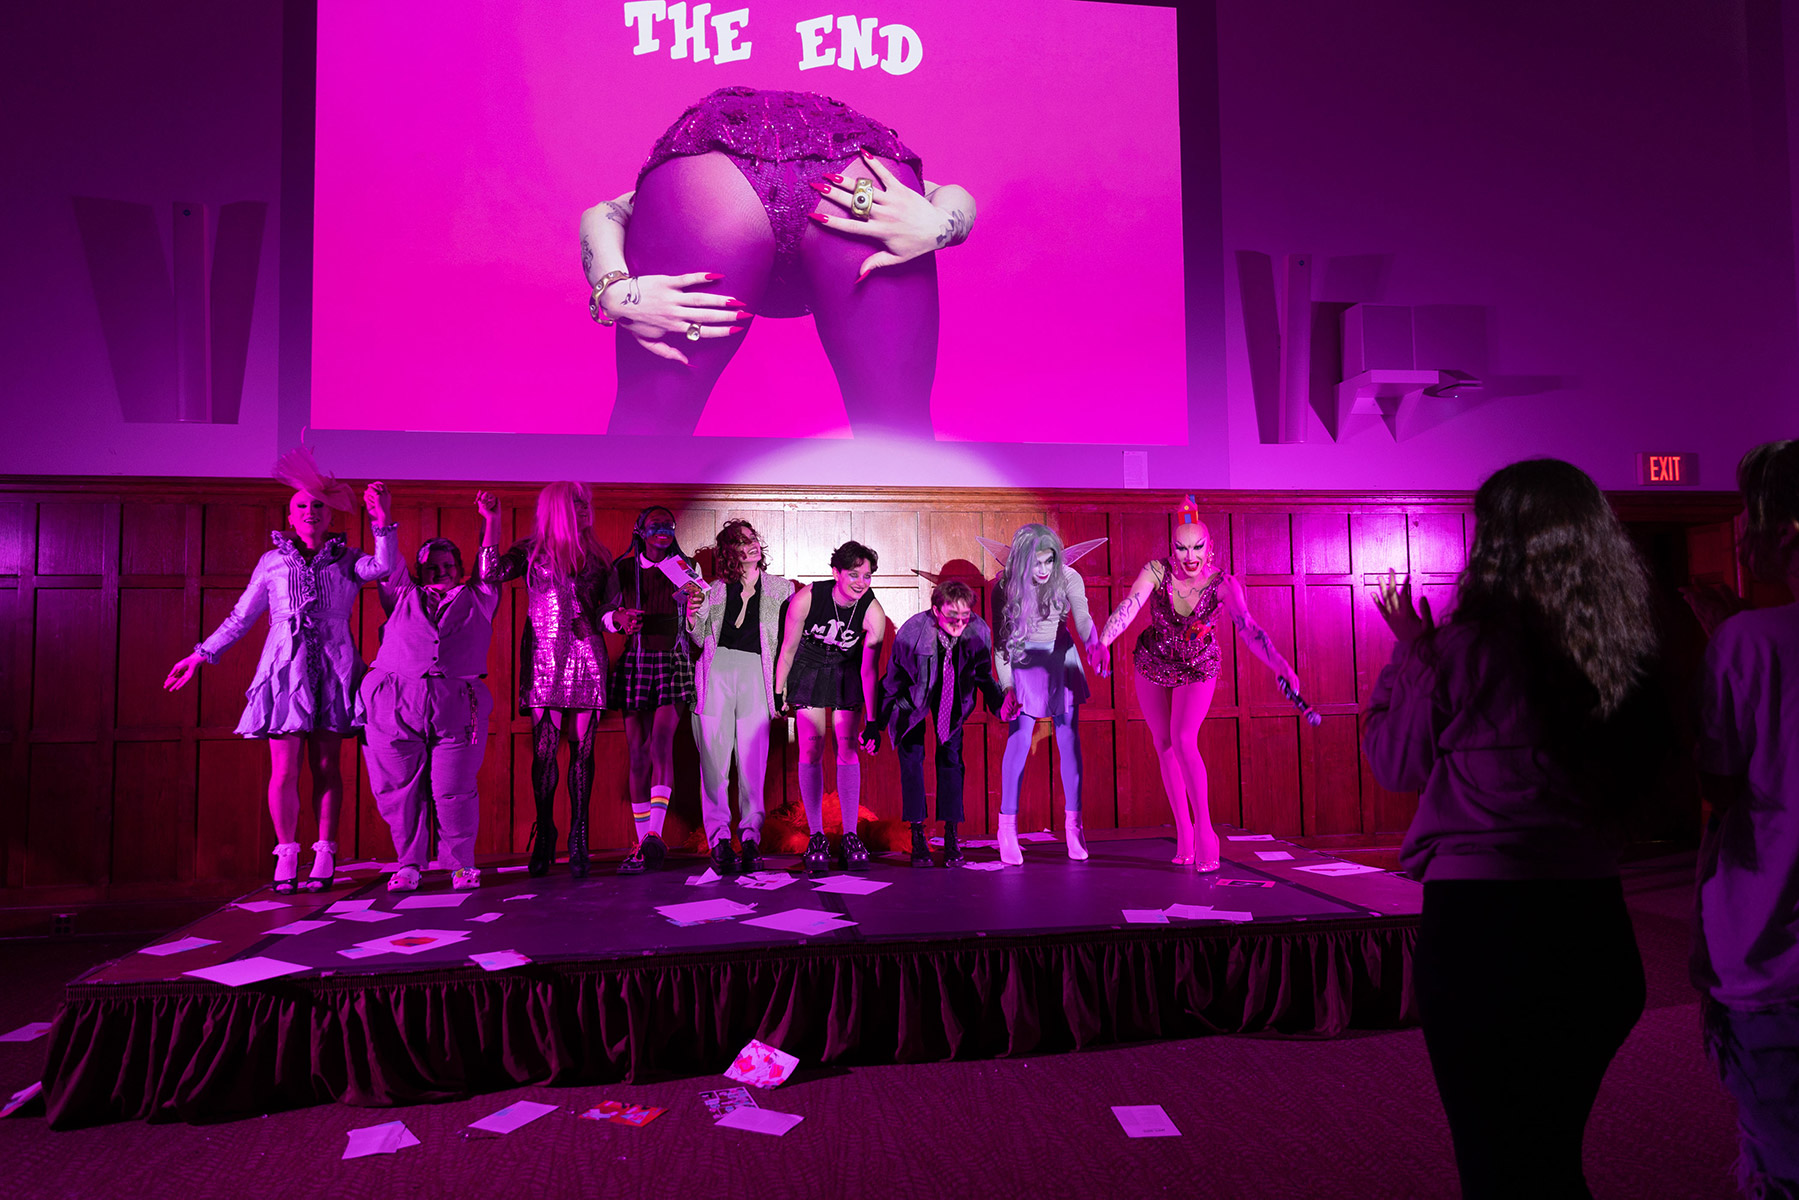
(906, 222)
(652, 308)
(1394, 602)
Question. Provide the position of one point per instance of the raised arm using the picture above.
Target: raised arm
(487, 559)
(1097, 653)
(380, 565)
(1236, 603)
(1148, 579)
(1399, 735)
(791, 630)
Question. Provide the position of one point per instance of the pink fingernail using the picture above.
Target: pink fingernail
(733, 303)
(713, 278)
(832, 178)
(737, 328)
(820, 218)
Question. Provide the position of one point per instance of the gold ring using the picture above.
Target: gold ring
(693, 331)
(862, 202)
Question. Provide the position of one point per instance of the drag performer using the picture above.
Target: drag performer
(424, 704)
(940, 660)
(826, 675)
(653, 681)
(562, 657)
(737, 621)
(795, 204)
(302, 698)
(1177, 661)
(1036, 662)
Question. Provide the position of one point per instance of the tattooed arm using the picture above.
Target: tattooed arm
(657, 310)
(957, 207)
(1254, 636)
(1148, 579)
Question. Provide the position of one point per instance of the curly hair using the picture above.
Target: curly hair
(1768, 477)
(1025, 601)
(846, 556)
(1552, 562)
(727, 549)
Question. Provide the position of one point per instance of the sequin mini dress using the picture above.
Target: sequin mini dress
(1175, 650)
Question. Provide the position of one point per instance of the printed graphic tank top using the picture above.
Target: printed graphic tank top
(833, 631)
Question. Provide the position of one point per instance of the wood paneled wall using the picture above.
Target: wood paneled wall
(116, 789)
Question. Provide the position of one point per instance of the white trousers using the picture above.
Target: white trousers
(423, 744)
(734, 717)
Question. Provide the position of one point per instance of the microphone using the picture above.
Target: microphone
(1299, 701)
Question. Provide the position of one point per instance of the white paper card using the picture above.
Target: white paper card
(706, 876)
(358, 866)
(514, 1116)
(767, 881)
(367, 916)
(299, 927)
(379, 1139)
(484, 918)
(1274, 855)
(680, 572)
(27, 1033)
(1144, 1120)
(1249, 837)
(349, 906)
(704, 910)
(1331, 869)
(1145, 916)
(260, 905)
(1193, 912)
(850, 885)
(248, 970)
(512, 870)
(186, 943)
(801, 920)
(434, 900)
(416, 941)
(1031, 837)
(1225, 914)
(759, 1120)
(523, 896)
(498, 960)
(983, 866)
(362, 951)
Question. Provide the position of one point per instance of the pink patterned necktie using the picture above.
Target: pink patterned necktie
(946, 707)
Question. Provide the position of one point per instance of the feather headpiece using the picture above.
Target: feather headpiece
(300, 471)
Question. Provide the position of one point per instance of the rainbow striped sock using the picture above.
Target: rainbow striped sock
(658, 808)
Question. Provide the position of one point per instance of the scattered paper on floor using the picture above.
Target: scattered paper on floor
(850, 885)
(1249, 837)
(379, 1139)
(1274, 855)
(248, 970)
(293, 927)
(705, 910)
(186, 943)
(759, 1120)
(516, 1115)
(1145, 916)
(1339, 868)
(367, 916)
(617, 1113)
(761, 1065)
(801, 920)
(723, 1100)
(706, 876)
(484, 918)
(261, 905)
(433, 900)
(499, 960)
(27, 1033)
(349, 906)
(1144, 1120)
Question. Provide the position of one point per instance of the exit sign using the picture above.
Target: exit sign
(1667, 470)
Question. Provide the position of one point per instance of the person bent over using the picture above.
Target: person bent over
(940, 660)
(424, 704)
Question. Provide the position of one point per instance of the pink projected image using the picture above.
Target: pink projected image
(787, 224)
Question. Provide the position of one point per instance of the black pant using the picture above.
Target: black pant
(910, 748)
(1526, 991)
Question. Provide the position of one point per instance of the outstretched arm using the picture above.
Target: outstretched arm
(874, 627)
(1254, 636)
(798, 609)
(1128, 608)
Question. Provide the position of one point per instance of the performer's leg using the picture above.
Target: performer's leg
(714, 736)
(546, 739)
(459, 719)
(753, 724)
(908, 747)
(881, 333)
(638, 727)
(690, 214)
(1011, 775)
(845, 725)
(580, 789)
(1068, 755)
(811, 729)
(284, 808)
(662, 725)
(324, 759)
(1190, 704)
(951, 774)
(394, 752)
(1156, 702)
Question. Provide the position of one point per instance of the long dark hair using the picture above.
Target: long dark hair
(1552, 562)
(1768, 477)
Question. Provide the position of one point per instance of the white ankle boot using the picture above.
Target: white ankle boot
(1071, 829)
(1009, 853)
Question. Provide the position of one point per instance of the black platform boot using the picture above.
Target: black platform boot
(921, 846)
(580, 792)
(952, 853)
(545, 738)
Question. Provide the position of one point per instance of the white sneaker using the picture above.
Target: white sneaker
(466, 880)
(406, 879)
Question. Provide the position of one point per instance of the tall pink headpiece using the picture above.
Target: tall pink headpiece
(300, 471)
(1187, 513)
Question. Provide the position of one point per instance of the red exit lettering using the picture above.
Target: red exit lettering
(1667, 470)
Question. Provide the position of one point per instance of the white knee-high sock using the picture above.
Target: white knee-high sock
(849, 794)
(659, 797)
(812, 795)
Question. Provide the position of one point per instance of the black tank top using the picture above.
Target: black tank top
(833, 631)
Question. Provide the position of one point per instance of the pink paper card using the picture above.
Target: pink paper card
(635, 1115)
(761, 1065)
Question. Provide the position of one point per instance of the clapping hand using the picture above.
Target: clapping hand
(1394, 601)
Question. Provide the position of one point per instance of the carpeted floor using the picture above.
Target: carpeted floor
(1347, 1118)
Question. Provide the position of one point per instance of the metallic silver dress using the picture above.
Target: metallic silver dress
(562, 651)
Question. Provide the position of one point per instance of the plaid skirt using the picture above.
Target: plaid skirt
(648, 679)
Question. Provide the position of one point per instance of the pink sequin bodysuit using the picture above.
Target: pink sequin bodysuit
(1175, 650)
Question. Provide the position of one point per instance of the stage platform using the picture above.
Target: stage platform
(939, 963)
